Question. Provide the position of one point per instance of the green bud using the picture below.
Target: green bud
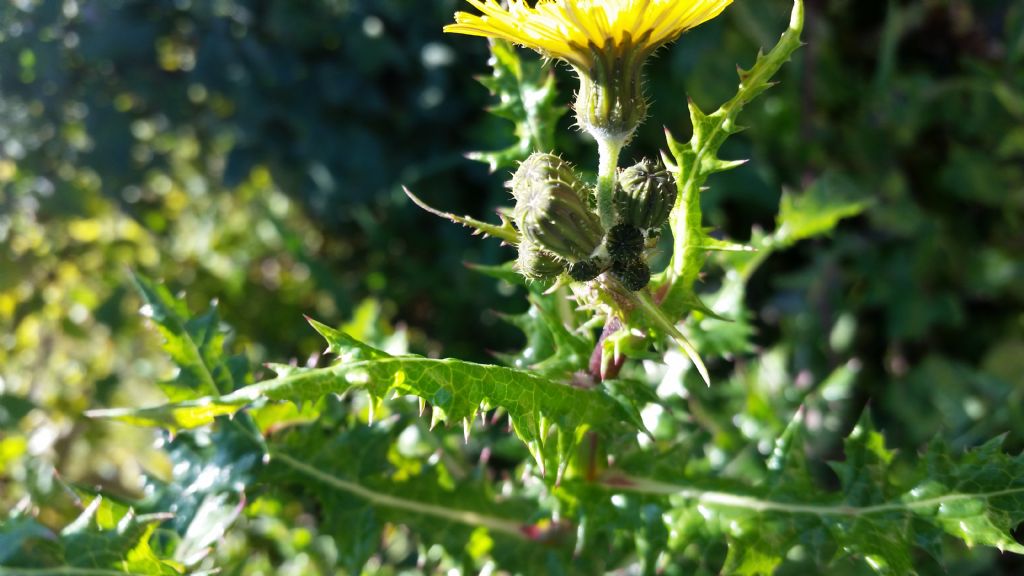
(646, 195)
(611, 104)
(541, 170)
(551, 212)
(536, 264)
(634, 274)
(625, 242)
(585, 270)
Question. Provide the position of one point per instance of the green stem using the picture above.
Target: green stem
(608, 150)
(728, 500)
(508, 527)
(687, 229)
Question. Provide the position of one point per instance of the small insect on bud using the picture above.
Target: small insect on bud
(552, 209)
(634, 274)
(585, 270)
(646, 195)
(536, 264)
(624, 242)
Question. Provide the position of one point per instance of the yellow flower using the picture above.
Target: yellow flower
(606, 41)
(574, 30)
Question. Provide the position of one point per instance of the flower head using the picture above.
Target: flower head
(573, 30)
(606, 41)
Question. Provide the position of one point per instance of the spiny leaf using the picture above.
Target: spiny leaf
(456, 389)
(104, 538)
(657, 319)
(695, 161)
(194, 343)
(714, 244)
(505, 231)
(212, 473)
(716, 165)
(505, 272)
(552, 349)
(814, 212)
(977, 497)
(527, 96)
(360, 481)
(818, 210)
(347, 348)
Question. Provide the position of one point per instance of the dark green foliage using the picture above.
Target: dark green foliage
(104, 539)
(879, 515)
(527, 96)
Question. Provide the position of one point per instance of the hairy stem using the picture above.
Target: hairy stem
(608, 150)
(687, 229)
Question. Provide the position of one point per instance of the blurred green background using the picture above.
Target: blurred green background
(253, 152)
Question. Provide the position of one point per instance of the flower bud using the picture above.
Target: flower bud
(550, 211)
(610, 103)
(540, 170)
(585, 270)
(633, 273)
(536, 264)
(646, 195)
(624, 242)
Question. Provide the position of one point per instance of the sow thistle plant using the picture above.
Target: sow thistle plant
(625, 462)
(600, 234)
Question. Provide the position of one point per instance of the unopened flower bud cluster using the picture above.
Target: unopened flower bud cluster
(561, 231)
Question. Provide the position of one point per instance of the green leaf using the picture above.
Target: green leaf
(812, 213)
(13, 409)
(555, 346)
(527, 96)
(212, 473)
(505, 231)
(817, 211)
(457, 390)
(195, 344)
(695, 161)
(19, 534)
(552, 349)
(359, 480)
(977, 497)
(104, 539)
(212, 470)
